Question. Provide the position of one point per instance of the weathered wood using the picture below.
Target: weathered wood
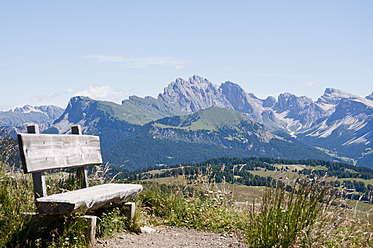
(91, 222)
(81, 172)
(87, 199)
(40, 187)
(130, 209)
(38, 178)
(41, 152)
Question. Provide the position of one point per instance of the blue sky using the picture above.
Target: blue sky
(53, 50)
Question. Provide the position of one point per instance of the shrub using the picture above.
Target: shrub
(284, 216)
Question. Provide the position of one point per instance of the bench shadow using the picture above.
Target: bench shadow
(44, 231)
(71, 231)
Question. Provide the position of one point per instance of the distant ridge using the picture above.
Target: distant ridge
(338, 123)
(27, 113)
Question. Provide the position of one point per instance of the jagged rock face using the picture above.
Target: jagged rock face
(242, 101)
(52, 111)
(332, 97)
(351, 108)
(79, 111)
(269, 102)
(301, 109)
(192, 95)
(292, 103)
(347, 130)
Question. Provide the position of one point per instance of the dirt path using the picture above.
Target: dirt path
(167, 237)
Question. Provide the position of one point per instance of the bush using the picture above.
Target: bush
(286, 214)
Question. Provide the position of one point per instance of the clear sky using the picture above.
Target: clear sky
(53, 50)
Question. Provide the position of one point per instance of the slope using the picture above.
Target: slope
(206, 134)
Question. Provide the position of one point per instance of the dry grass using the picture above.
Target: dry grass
(308, 214)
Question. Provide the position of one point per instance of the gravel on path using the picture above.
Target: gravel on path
(172, 237)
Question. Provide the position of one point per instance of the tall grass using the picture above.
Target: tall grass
(306, 213)
(20, 228)
(15, 198)
(167, 206)
(286, 214)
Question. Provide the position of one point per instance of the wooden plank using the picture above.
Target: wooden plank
(41, 152)
(81, 172)
(87, 199)
(40, 187)
(38, 178)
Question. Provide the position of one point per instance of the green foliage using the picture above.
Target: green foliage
(16, 197)
(211, 212)
(111, 222)
(15, 191)
(37, 231)
(284, 216)
(211, 119)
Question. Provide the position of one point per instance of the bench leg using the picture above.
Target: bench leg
(91, 228)
(130, 210)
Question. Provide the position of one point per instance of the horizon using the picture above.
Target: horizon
(20, 106)
(53, 51)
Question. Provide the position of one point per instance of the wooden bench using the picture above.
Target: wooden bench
(43, 152)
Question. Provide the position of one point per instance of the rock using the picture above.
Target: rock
(148, 230)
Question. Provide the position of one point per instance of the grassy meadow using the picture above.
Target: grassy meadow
(297, 212)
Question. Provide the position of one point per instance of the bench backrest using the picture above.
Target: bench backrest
(41, 152)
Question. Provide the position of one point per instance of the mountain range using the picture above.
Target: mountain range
(195, 119)
(15, 120)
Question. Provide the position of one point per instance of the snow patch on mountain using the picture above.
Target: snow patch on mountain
(324, 130)
(26, 109)
(357, 124)
(358, 140)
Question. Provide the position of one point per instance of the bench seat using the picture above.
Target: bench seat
(86, 199)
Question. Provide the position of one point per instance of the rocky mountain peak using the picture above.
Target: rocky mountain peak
(192, 95)
(75, 112)
(19, 117)
(229, 89)
(333, 96)
(288, 101)
(241, 100)
(299, 112)
(269, 102)
(370, 97)
(50, 111)
(23, 109)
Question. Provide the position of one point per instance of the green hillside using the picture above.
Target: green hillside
(209, 133)
(135, 110)
(210, 119)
